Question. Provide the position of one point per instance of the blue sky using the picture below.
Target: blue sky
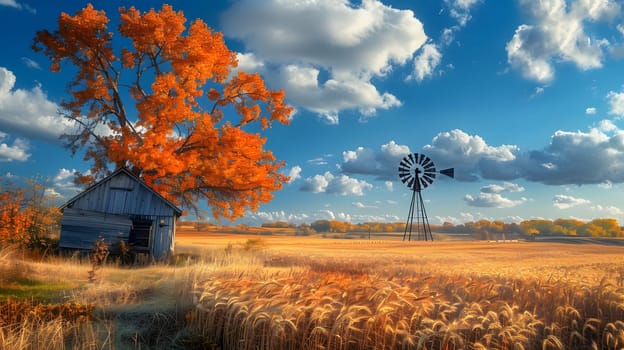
(525, 99)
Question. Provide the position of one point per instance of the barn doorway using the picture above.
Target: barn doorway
(140, 233)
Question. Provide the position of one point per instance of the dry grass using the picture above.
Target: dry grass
(11, 268)
(277, 292)
(386, 295)
(128, 307)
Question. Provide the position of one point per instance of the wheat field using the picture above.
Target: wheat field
(340, 294)
(233, 291)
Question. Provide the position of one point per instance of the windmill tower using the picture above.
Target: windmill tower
(417, 171)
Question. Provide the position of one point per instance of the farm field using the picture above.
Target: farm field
(321, 293)
(252, 291)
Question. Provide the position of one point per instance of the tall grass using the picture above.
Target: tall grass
(138, 308)
(253, 295)
(358, 303)
(11, 268)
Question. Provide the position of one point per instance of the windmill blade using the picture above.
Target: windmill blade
(430, 171)
(410, 183)
(427, 163)
(409, 159)
(405, 164)
(405, 179)
(450, 172)
(422, 158)
(428, 178)
(404, 172)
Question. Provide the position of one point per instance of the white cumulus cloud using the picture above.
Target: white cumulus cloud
(558, 34)
(325, 53)
(491, 196)
(29, 113)
(472, 157)
(492, 200)
(460, 10)
(361, 205)
(608, 210)
(294, 173)
(577, 158)
(339, 184)
(63, 185)
(258, 218)
(382, 164)
(327, 214)
(17, 151)
(426, 62)
(506, 187)
(616, 103)
(563, 201)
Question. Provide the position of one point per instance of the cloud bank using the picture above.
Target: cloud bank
(570, 158)
(326, 54)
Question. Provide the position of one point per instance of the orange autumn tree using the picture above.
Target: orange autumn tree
(26, 215)
(193, 130)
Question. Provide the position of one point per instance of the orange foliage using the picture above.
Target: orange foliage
(16, 312)
(186, 135)
(13, 221)
(24, 215)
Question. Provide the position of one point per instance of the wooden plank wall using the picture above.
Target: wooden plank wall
(163, 236)
(80, 229)
(123, 195)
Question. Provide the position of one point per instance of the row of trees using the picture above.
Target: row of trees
(571, 227)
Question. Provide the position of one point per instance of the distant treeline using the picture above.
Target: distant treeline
(570, 227)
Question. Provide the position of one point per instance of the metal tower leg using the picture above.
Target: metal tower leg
(410, 218)
(425, 219)
(423, 229)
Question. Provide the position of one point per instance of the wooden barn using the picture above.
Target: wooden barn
(120, 207)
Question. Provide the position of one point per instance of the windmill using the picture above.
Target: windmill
(417, 171)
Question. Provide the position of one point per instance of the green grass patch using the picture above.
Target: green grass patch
(38, 291)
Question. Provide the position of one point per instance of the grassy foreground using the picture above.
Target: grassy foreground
(281, 292)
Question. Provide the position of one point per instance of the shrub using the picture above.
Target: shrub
(99, 254)
(255, 244)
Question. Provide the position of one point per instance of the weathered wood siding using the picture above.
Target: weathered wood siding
(80, 228)
(163, 236)
(123, 195)
(120, 198)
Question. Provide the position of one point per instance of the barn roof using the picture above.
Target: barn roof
(177, 210)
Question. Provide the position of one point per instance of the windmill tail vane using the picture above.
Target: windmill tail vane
(417, 172)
